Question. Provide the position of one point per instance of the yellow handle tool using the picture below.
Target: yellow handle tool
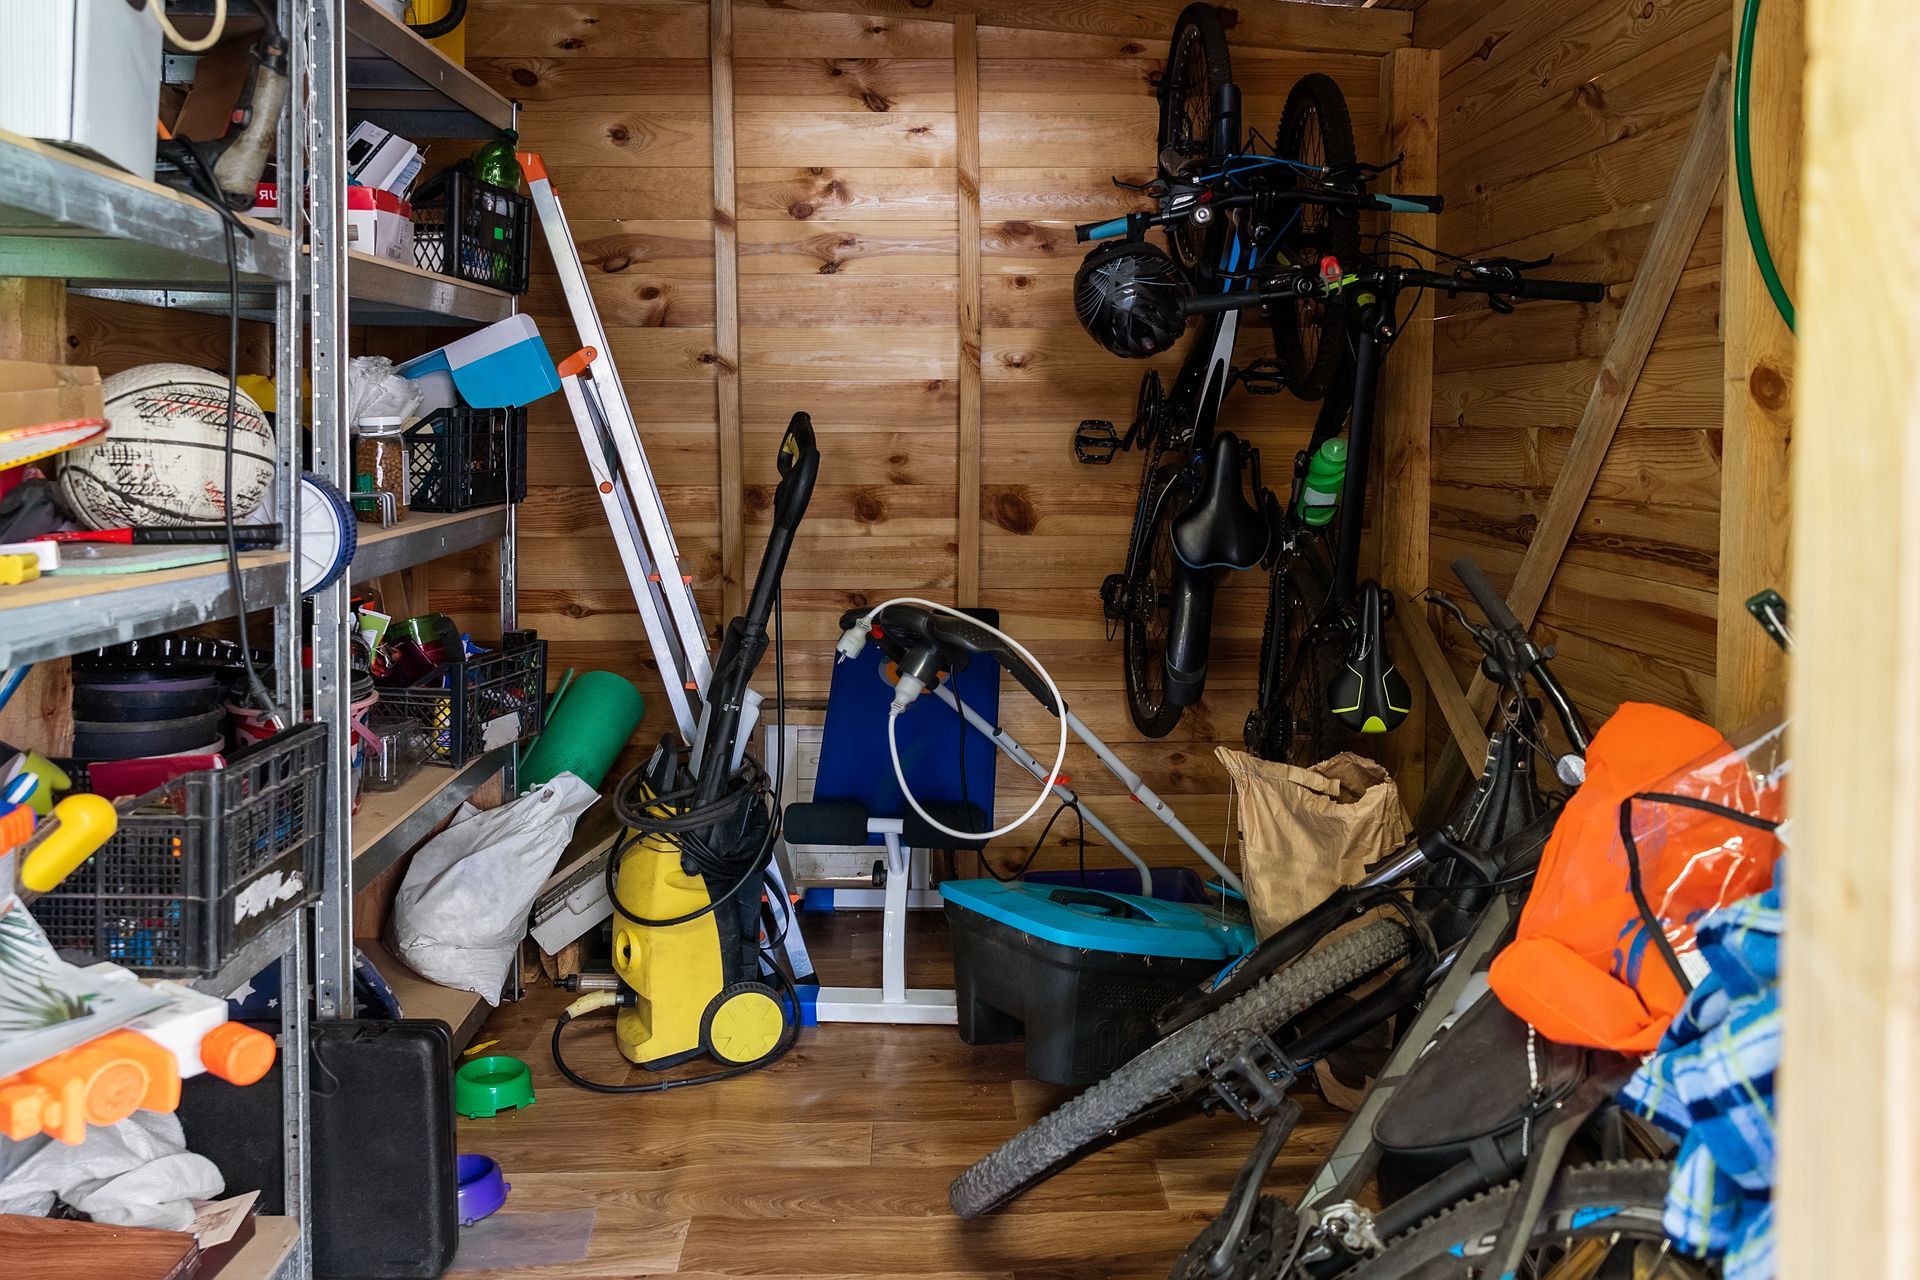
(79, 825)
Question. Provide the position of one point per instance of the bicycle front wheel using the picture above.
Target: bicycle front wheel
(1173, 1069)
(1601, 1220)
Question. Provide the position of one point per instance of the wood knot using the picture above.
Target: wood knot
(877, 29)
(836, 71)
(614, 265)
(649, 293)
(875, 102)
(1768, 387)
(1487, 47)
(571, 42)
(1014, 360)
(868, 508)
(829, 268)
(1589, 95)
(1131, 50)
(620, 135)
(920, 129)
(815, 170)
(800, 209)
(525, 76)
(757, 499)
(896, 459)
(1011, 510)
(1021, 282)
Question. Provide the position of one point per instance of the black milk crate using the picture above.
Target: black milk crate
(201, 865)
(472, 230)
(473, 706)
(460, 458)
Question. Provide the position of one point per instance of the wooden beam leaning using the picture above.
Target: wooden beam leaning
(1409, 127)
(1697, 179)
(966, 102)
(726, 316)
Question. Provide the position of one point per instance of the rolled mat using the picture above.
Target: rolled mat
(586, 731)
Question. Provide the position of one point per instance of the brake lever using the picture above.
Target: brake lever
(1151, 187)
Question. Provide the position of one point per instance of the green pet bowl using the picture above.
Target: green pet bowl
(487, 1086)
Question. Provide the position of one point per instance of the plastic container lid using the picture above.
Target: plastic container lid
(237, 1053)
(379, 425)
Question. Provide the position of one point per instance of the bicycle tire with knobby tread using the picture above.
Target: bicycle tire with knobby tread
(1625, 1198)
(1170, 1066)
(1308, 376)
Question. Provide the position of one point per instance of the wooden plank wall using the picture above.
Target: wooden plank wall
(848, 154)
(1561, 122)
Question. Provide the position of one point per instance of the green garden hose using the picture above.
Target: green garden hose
(1743, 164)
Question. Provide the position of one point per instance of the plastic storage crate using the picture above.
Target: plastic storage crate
(472, 230)
(485, 702)
(460, 458)
(201, 865)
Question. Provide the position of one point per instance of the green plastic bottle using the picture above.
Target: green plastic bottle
(496, 163)
(1326, 472)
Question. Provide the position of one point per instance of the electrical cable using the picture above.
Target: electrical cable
(443, 25)
(893, 719)
(1743, 164)
(181, 44)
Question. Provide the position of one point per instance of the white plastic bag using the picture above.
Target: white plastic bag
(463, 907)
(137, 1173)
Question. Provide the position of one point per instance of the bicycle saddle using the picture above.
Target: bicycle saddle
(1369, 695)
(1221, 529)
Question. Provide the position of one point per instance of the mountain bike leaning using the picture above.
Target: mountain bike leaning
(1229, 212)
(1364, 956)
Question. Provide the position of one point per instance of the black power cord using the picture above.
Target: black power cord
(202, 187)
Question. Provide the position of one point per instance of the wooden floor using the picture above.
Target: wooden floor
(836, 1160)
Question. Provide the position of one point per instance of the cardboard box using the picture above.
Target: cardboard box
(32, 393)
(380, 223)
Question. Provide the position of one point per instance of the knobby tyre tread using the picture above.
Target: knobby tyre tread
(1169, 1067)
(1624, 1197)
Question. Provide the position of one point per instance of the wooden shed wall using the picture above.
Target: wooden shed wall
(1561, 126)
(850, 134)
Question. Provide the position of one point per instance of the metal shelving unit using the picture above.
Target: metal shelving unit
(110, 234)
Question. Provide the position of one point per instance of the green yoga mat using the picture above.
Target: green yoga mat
(590, 723)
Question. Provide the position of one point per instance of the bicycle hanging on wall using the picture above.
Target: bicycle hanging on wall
(1277, 231)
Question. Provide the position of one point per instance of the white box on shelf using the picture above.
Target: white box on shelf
(380, 223)
(82, 74)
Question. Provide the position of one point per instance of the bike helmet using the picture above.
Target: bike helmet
(1127, 295)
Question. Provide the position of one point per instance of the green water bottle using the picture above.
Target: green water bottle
(1326, 472)
(496, 162)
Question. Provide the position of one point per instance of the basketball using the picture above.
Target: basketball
(162, 460)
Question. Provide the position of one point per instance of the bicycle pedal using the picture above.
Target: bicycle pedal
(1113, 599)
(1262, 377)
(1251, 1077)
(1096, 442)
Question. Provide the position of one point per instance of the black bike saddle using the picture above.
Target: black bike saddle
(1221, 530)
(1369, 695)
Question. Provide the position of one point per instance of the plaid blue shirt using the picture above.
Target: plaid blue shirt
(1710, 1084)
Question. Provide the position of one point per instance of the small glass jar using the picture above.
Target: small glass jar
(381, 484)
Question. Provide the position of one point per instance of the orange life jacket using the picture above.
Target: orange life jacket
(1583, 968)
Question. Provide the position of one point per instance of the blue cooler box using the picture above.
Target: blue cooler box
(1081, 971)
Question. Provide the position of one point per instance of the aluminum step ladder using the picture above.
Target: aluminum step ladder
(662, 589)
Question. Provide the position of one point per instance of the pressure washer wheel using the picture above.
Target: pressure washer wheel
(743, 1024)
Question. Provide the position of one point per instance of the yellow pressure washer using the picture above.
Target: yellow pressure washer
(687, 874)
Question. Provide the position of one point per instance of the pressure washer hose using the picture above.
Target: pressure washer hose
(1743, 163)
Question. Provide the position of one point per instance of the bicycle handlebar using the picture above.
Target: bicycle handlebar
(1503, 282)
(1135, 223)
(1491, 603)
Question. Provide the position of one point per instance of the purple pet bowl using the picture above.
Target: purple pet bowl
(483, 1189)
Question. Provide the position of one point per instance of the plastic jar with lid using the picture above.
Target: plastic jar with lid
(380, 467)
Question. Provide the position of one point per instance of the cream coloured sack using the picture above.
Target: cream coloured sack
(1306, 832)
